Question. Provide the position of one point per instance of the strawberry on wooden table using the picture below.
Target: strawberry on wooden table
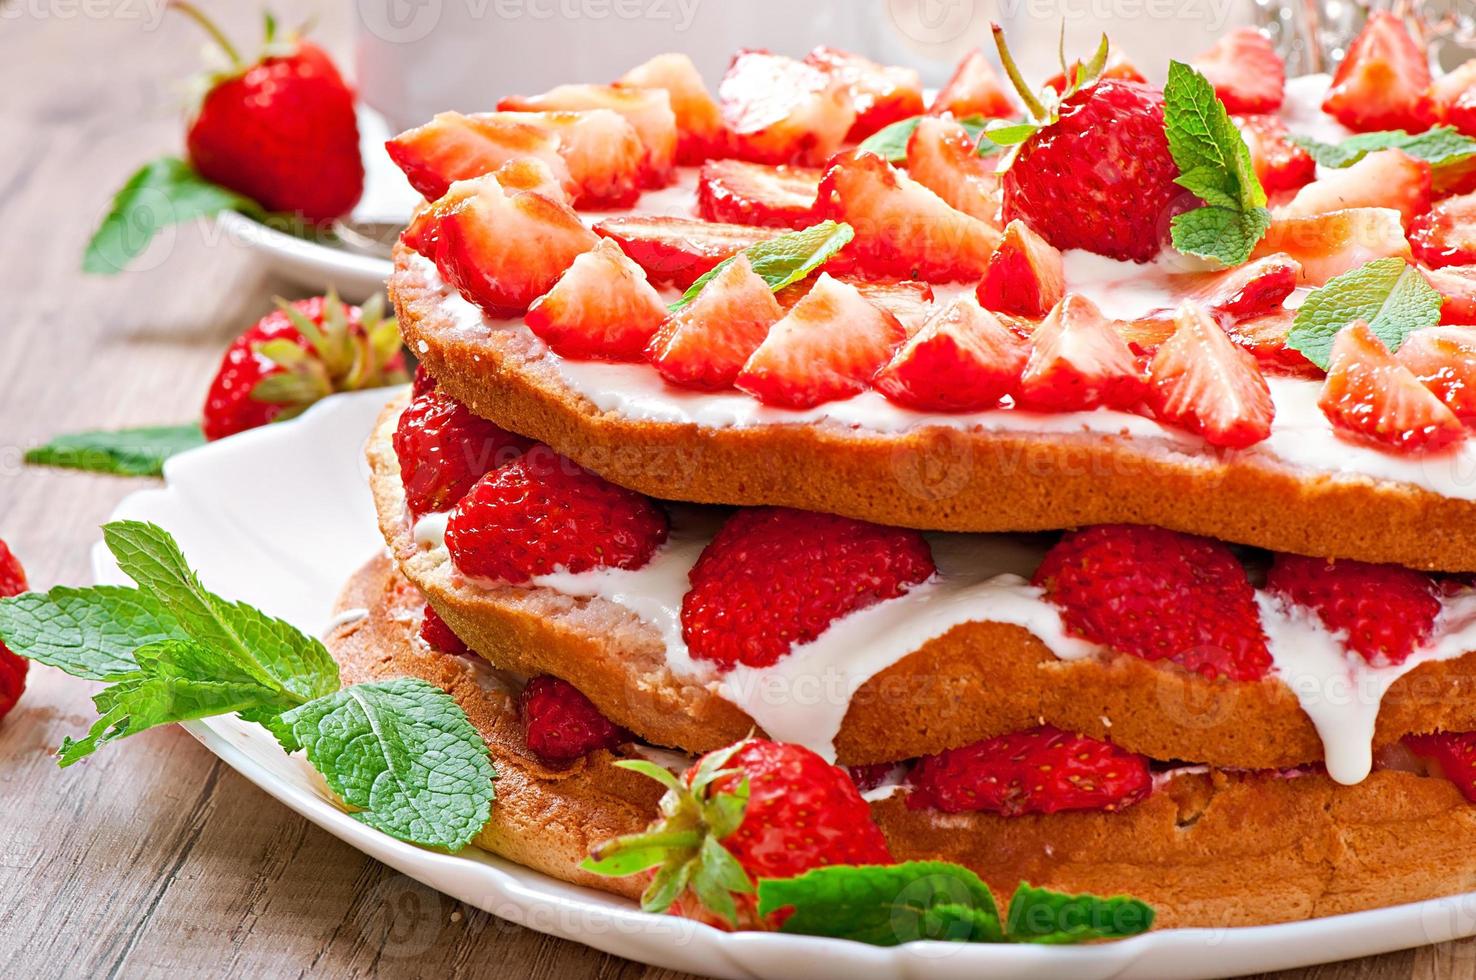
(706, 343)
(779, 110)
(1386, 179)
(1280, 164)
(700, 132)
(1382, 612)
(974, 89)
(1247, 73)
(941, 156)
(1446, 234)
(879, 94)
(1201, 381)
(602, 307)
(963, 359)
(648, 110)
(1078, 362)
(13, 669)
(1444, 360)
(1382, 80)
(742, 193)
(679, 250)
(1371, 396)
(443, 449)
(1025, 277)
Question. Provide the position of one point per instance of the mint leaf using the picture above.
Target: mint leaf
(124, 452)
(1389, 294)
(890, 142)
(274, 653)
(1449, 153)
(1215, 165)
(163, 192)
(88, 633)
(1039, 915)
(886, 905)
(783, 260)
(1010, 134)
(403, 753)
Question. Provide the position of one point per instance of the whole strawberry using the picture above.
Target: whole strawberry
(561, 724)
(296, 355)
(279, 129)
(438, 636)
(13, 669)
(443, 449)
(757, 809)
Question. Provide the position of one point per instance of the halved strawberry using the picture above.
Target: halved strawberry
(1079, 362)
(1382, 81)
(1329, 245)
(605, 155)
(1280, 164)
(902, 228)
(1446, 234)
(941, 157)
(1265, 338)
(1370, 395)
(601, 308)
(1247, 73)
(700, 132)
(1118, 66)
(518, 174)
(648, 110)
(910, 301)
(827, 347)
(502, 251)
(974, 89)
(1453, 755)
(679, 250)
(1383, 612)
(1456, 285)
(1250, 290)
(1202, 382)
(1386, 179)
(758, 194)
(779, 110)
(962, 360)
(1444, 359)
(706, 343)
(1025, 275)
(530, 174)
(454, 147)
(1451, 98)
(879, 94)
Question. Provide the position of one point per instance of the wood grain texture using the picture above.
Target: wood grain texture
(153, 858)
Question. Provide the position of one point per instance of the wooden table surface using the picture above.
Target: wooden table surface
(153, 857)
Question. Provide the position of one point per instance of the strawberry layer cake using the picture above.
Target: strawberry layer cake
(1085, 469)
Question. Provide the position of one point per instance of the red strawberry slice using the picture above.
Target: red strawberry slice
(1025, 277)
(879, 94)
(1328, 245)
(530, 174)
(443, 449)
(603, 151)
(1370, 395)
(602, 308)
(1456, 285)
(502, 251)
(779, 110)
(1446, 234)
(903, 230)
(679, 250)
(438, 636)
(1386, 179)
(1280, 164)
(1451, 99)
(758, 194)
(1159, 595)
(1043, 770)
(707, 342)
(911, 302)
(826, 348)
(648, 110)
(941, 157)
(1200, 381)
(1384, 612)
(772, 578)
(963, 359)
(541, 514)
(1254, 289)
(454, 147)
(1444, 360)
(1452, 755)
(699, 121)
(561, 725)
(1079, 362)
(974, 89)
(1265, 338)
(13, 669)
(1247, 73)
(1382, 81)
(518, 174)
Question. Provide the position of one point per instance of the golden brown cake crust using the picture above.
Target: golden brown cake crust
(976, 681)
(935, 478)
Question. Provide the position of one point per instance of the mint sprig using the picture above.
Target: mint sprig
(122, 452)
(784, 260)
(1215, 165)
(1450, 154)
(890, 142)
(1389, 294)
(1046, 917)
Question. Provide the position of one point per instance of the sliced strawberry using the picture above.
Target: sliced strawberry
(1329, 245)
(879, 94)
(1118, 67)
(962, 360)
(758, 194)
(604, 154)
(1444, 359)
(454, 147)
(974, 89)
(443, 449)
(827, 347)
(1452, 96)
(1200, 381)
(1382, 81)
(1079, 362)
(1280, 164)
(601, 308)
(1456, 285)
(707, 342)
(779, 110)
(679, 250)
(440, 637)
(502, 251)
(1446, 234)
(902, 228)
(1453, 755)
(700, 132)
(1386, 179)
(1025, 275)
(648, 110)
(1383, 612)
(1370, 395)
(1250, 290)
(910, 301)
(1265, 338)
(530, 174)
(941, 157)
(1247, 73)
(561, 725)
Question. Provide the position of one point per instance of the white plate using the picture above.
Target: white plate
(281, 516)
